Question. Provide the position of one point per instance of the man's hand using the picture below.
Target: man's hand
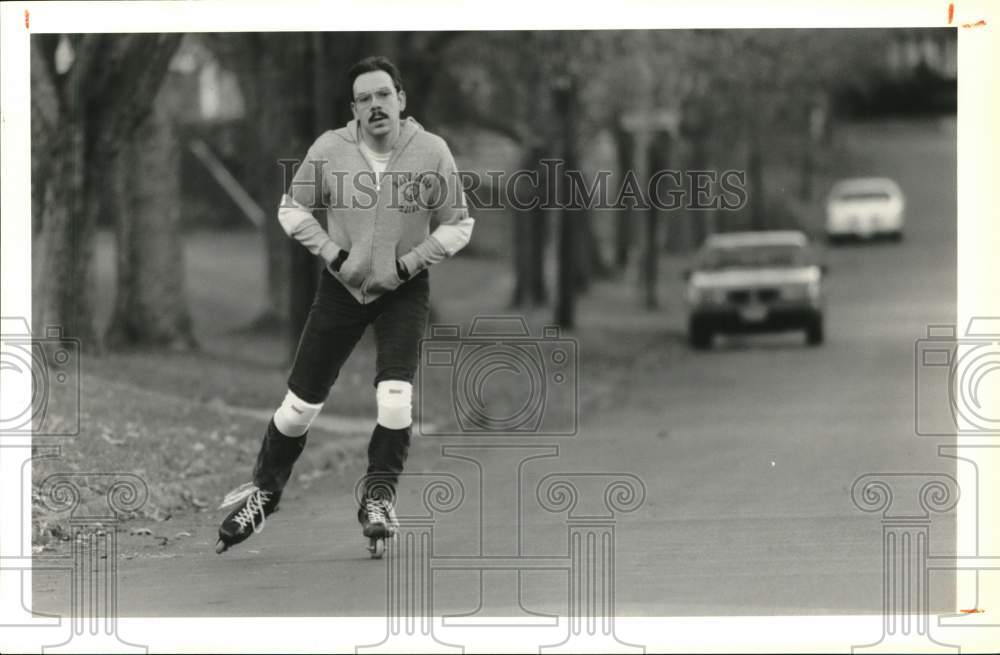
(339, 260)
(350, 271)
(401, 271)
(384, 283)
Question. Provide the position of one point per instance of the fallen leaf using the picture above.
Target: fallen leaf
(114, 442)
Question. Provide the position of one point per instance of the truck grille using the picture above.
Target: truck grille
(745, 296)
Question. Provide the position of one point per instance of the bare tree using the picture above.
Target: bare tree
(624, 220)
(86, 114)
(530, 238)
(566, 103)
(151, 305)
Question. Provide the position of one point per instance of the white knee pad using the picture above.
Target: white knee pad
(395, 404)
(295, 415)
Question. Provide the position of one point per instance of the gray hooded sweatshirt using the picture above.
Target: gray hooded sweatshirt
(378, 219)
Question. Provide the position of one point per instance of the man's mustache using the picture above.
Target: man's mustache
(377, 116)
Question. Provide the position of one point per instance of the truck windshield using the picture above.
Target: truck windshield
(715, 259)
(863, 196)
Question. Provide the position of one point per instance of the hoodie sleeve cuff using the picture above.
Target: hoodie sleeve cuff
(329, 251)
(412, 262)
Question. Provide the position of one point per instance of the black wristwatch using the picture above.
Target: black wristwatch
(338, 261)
(401, 270)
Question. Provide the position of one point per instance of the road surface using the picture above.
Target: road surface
(745, 454)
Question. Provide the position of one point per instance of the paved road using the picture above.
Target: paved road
(746, 454)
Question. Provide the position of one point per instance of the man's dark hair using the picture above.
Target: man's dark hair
(370, 65)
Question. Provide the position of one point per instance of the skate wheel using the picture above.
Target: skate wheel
(220, 547)
(376, 547)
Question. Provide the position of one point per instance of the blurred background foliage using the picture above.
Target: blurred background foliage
(147, 138)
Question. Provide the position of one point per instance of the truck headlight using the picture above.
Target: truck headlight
(795, 292)
(705, 296)
(813, 289)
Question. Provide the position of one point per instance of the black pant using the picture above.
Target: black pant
(335, 324)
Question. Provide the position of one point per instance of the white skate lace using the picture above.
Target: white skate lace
(376, 514)
(255, 499)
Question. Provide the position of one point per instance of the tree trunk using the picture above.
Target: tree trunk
(700, 220)
(151, 305)
(267, 105)
(307, 59)
(567, 278)
(567, 103)
(679, 224)
(63, 250)
(808, 166)
(584, 264)
(62, 243)
(530, 239)
(98, 103)
(591, 258)
(755, 182)
(650, 267)
(659, 159)
(521, 246)
(625, 218)
(539, 290)
(44, 131)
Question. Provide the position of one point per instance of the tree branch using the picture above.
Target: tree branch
(132, 91)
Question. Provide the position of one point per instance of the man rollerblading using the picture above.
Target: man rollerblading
(383, 181)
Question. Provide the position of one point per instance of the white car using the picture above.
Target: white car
(865, 207)
(755, 282)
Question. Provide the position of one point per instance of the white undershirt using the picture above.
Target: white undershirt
(378, 161)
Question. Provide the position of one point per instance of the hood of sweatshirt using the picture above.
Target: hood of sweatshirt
(408, 128)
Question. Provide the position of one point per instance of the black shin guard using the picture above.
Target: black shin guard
(275, 460)
(387, 452)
